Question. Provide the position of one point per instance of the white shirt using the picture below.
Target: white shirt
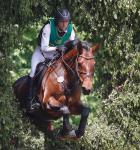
(45, 38)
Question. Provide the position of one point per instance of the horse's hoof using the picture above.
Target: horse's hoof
(71, 135)
(62, 138)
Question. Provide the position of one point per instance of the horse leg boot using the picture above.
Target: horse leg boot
(31, 104)
(66, 124)
(84, 115)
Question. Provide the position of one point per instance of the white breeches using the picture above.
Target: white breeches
(37, 57)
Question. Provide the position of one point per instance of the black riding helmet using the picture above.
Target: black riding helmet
(62, 15)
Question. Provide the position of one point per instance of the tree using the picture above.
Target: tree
(115, 24)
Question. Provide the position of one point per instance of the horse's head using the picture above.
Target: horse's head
(86, 64)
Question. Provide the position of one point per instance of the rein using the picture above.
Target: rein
(62, 59)
(68, 66)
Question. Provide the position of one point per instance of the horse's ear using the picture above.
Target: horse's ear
(79, 47)
(95, 47)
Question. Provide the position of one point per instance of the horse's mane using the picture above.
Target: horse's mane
(85, 45)
(72, 50)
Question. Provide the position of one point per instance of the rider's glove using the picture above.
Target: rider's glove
(61, 49)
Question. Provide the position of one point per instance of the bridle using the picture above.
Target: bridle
(87, 74)
(87, 58)
(79, 72)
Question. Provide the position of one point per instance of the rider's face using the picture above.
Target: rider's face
(62, 25)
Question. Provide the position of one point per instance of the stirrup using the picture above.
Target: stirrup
(34, 104)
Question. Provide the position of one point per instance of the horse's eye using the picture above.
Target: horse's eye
(80, 62)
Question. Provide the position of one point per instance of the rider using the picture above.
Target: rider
(52, 37)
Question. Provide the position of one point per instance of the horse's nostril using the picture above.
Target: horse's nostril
(86, 91)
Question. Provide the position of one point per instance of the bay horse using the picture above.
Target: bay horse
(62, 85)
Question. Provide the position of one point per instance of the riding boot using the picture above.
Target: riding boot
(31, 103)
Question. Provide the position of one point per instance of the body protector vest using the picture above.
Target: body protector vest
(55, 39)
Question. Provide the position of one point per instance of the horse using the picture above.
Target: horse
(62, 85)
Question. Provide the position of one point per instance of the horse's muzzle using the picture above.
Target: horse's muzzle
(86, 91)
(87, 87)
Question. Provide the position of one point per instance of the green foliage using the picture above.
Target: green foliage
(115, 103)
(117, 125)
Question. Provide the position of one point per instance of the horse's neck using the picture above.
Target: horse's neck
(70, 54)
(65, 66)
(59, 68)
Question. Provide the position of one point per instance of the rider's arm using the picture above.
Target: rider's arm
(45, 38)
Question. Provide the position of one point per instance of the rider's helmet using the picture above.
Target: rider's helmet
(62, 15)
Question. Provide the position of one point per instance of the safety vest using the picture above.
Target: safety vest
(55, 39)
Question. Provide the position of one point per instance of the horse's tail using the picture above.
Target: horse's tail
(20, 88)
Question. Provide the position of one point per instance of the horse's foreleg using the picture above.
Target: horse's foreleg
(84, 111)
(66, 123)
